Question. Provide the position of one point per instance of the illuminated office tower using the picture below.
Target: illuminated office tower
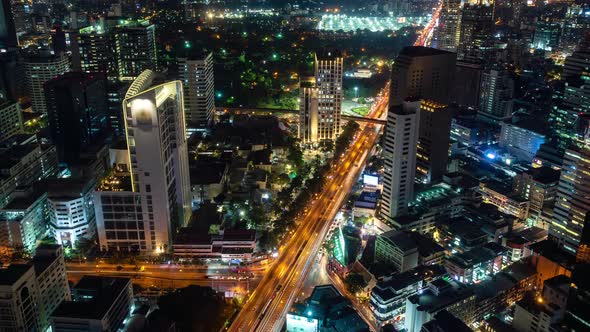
(93, 48)
(196, 73)
(399, 152)
(446, 34)
(422, 72)
(496, 95)
(308, 111)
(40, 69)
(159, 191)
(475, 36)
(572, 201)
(328, 74)
(434, 135)
(134, 45)
(546, 35)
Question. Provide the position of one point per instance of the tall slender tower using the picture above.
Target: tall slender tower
(156, 141)
(328, 74)
(196, 73)
(308, 110)
(401, 137)
(572, 201)
(134, 45)
(446, 35)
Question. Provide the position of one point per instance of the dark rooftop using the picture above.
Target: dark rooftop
(12, 273)
(210, 173)
(419, 51)
(93, 297)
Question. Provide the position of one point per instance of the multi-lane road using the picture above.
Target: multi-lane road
(267, 306)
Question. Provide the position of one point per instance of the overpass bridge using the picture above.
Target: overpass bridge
(276, 111)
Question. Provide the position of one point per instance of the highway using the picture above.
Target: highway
(266, 308)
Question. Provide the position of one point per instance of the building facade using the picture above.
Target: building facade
(11, 119)
(432, 152)
(38, 70)
(329, 67)
(196, 74)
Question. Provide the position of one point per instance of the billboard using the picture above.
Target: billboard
(370, 180)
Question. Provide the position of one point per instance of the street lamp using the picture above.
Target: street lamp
(356, 90)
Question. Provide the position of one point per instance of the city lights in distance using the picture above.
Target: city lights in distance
(336, 22)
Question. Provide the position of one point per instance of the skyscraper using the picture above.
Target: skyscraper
(446, 34)
(196, 73)
(134, 47)
(496, 95)
(572, 202)
(308, 110)
(159, 192)
(422, 72)
(93, 49)
(399, 152)
(475, 41)
(77, 111)
(11, 119)
(40, 69)
(329, 67)
(7, 29)
(433, 141)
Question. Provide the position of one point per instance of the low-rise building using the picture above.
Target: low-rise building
(505, 199)
(460, 234)
(477, 264)
(365, 205)
(406, 250)
(325, 310)
(22, 221)
(208, 181)
(229, 244)
(71, 209)
(388, 297)
(99, 304)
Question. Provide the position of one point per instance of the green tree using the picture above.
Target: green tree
(354, 282)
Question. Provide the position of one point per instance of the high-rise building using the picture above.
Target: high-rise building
(11, 119)
(22, 221)
(422, 72)
(20, 296)
(134, 47)
(308, 111)
(12, 76)
(116, 93)
(159, 191)
(40, 69)
(99, 304)
(52, 280)
(7, 28)
(434, 135)
(77, 111)
(475, 41)
(24, 160)
(447, 33)
(399, 152)
(547, 35)
(196, 74)
(496, 98)
(572, 202)
(329, 66)
(578, 62)
(93, 49)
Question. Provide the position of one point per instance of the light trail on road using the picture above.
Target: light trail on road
(267, 306)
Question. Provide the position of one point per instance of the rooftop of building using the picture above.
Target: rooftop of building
(387, 287)
(551, 251)
(544, 174)
(420, 51)
(196, 236)
(331, 309)
(66, 188)
(528, 123)
(23, 201)
(440, 294)
(328, 54)
(445, 322)
(463, 228)
(478, 255)
(400, 239)
(498, 325)
(93, 297)
(45, 255)
(14, 149)
(12, 273)
(113, 182)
